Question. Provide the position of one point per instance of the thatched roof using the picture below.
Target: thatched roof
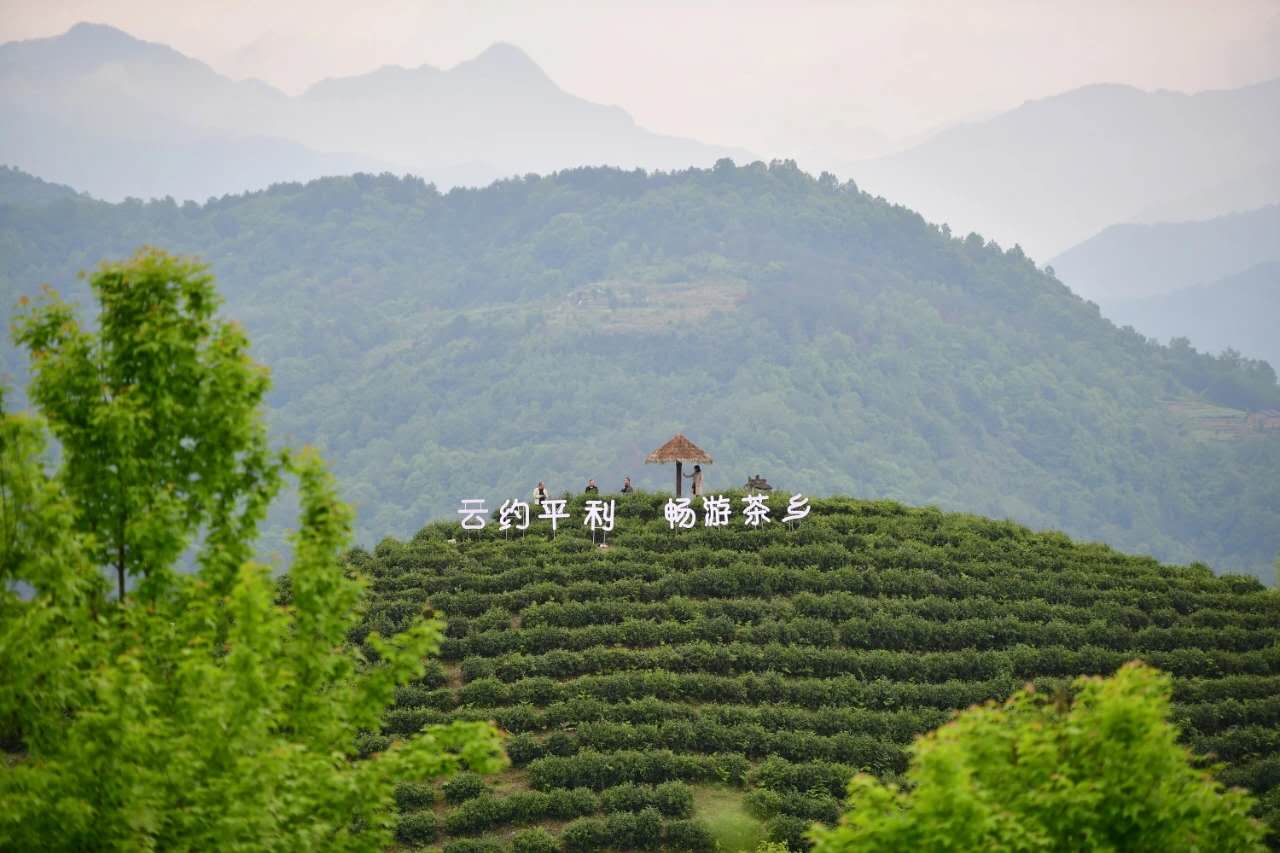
(679, 449)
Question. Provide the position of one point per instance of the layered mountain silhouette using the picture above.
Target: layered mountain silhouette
(1239, 312)
(1055, 171)
(1127, 262)
(1215, 282)
(116, 116)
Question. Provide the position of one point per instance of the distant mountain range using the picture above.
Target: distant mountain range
(1215, 282)
(116, 116)
(1055, 171)
(1127, 262)
(1240, 312)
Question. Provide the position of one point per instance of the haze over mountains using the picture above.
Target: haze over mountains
(1212, 281)
(1239, 311)
(1131, 261)
(1057, 170)
(115, 116)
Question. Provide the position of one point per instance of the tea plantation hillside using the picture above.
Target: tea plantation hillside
(680, 687)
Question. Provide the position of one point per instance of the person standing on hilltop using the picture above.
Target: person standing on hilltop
(627, 488)
(592, 488)
(540, 493)
(695, 488)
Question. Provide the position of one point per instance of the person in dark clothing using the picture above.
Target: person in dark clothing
(592, 488)
(627, 488)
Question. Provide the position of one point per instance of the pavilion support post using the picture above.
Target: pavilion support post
(679, 476)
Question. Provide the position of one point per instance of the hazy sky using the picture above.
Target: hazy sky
(766, 76)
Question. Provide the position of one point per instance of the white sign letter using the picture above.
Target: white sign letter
(716, 511)
(798, 508)
(473, 513)
(679, 514)
(554, 510)
(755, 510)
(600, 515)
(513, 509)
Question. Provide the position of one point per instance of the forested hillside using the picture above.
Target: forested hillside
(17, 187)
(442, 346)
(689, 686)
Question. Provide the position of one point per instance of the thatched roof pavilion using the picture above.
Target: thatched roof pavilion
(679, 450)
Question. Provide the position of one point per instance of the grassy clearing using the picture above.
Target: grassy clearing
(724, 811)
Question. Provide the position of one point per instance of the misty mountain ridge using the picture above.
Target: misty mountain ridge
(19, 188)
(1134, 261)
(111, 115)
(1057, 170)
(1215, 282)
(1239, 312)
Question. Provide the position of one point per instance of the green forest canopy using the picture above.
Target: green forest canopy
(440, 346)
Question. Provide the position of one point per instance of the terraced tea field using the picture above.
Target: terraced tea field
(683, 687)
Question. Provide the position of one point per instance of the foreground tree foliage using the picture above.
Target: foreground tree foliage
(1101, 772)
(200, 712)
(156, 411)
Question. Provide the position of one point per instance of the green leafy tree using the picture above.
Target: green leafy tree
(157, 412)
(210, 714)
(1101, 772)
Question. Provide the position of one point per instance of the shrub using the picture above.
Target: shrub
(560, 743)
(416, 829)
(791, 831)
(411, 796)
(371, 744)
(474, 845)
(523, 748)
(647, 829)
(689, 835)
(640, 830)
(585, 835)
(568, 803)
(674, 799)
(536, 840)
(476, 814)
(462, 787)
(622, 830)
(627, 797)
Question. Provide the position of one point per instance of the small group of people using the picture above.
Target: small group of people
(540, 493)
